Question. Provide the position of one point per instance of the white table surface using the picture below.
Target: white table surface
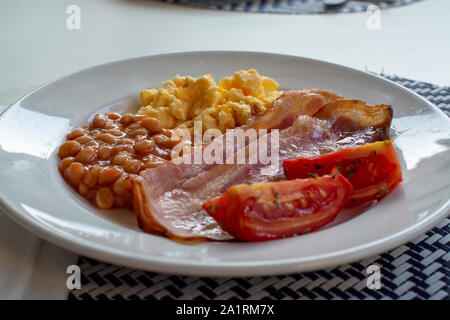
(36, 47)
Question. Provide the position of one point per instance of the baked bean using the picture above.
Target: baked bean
(110, 126)
(69, 148)
(104, 153)
(134, 126)
(99, 121)
(126, 119)
(75, 134)
(83, 139)
(108, 175)
(125, 141)
(132, 166)
(153, 162)
(160, 139)
(120, 158)
(86, 155)
(164, 141)
(144, 147)
(137, 132)
(113, 115)
(115, 132)
(123, 147)
(104, 198)
(107, 138)
(65, 163)
(91, 178)
(123, 185)
(152, 125)
(139, 117)
(92, 143)
(75, 173)
(83, 189)
(162, 153)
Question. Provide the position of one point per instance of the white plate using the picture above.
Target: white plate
(34, 194)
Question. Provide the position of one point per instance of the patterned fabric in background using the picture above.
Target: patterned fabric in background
(419, 269)
(287, 6)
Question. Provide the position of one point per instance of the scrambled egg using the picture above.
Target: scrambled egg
(231, 103)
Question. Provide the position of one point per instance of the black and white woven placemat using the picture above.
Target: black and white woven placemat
(419, 269)
(287, 6)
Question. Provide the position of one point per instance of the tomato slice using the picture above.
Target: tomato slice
(273, 210)
(372, 169)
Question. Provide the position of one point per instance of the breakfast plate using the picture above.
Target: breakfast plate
(34, 194)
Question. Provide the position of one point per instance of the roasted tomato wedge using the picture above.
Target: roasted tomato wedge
(281, 209)
(372, 169)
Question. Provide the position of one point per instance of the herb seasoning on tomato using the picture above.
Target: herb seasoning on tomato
(372, 169)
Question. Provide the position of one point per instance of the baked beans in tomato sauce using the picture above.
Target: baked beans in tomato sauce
(98, 158)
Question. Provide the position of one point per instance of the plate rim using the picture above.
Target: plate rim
(201, 268)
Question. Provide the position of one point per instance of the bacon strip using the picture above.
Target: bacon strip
(351, 115)
(284, 112)
(168, 198)
(290, 105)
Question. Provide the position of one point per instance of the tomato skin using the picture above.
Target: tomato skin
(274, 210)
(372, 169)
